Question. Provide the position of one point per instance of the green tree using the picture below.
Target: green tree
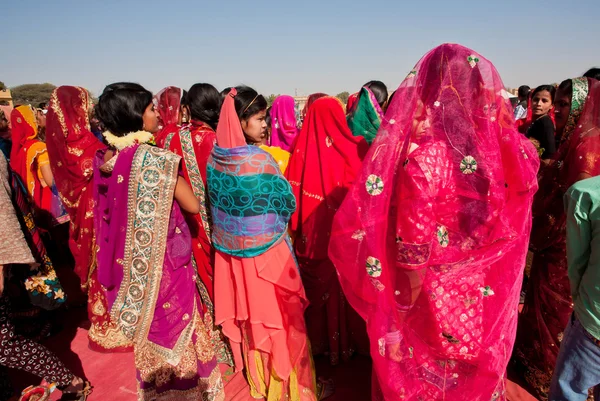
(270, 99)
(2, 86)
(33, 94)
(343, 96)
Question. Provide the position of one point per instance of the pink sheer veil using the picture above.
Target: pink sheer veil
(430, 242)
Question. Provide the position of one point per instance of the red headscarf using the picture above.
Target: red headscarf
(351, 102)
(321, 170)
(311, 99)
(71, 148)
(24, 130)
(167, 103)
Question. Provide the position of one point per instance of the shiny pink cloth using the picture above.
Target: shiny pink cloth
(430, 242)
(284, 128)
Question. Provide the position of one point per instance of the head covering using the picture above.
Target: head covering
(434, 232)
(351, 102)
(23, 128)
(284, 128)
(167, 103)
(366, 117)
(322, 168)
(311, 99)
(71, 148)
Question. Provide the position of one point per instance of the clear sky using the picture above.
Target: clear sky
(283, 46)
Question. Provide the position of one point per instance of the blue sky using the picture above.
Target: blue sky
(284, 46)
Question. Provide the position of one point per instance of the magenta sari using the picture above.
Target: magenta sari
(284, 128)
(145, 265)
(430, 242)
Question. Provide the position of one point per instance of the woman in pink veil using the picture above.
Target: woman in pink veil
(430, 242)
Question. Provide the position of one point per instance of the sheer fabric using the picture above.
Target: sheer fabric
(430, 242)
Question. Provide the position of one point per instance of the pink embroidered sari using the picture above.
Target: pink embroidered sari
(430, 242)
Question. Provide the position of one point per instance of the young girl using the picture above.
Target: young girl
(541, 130)
(144, 252)
(260, 303)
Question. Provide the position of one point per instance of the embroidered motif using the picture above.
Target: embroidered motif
(373, 267)
(486, 291)
(119, 179)
(359, 235)
(468, 165)
(442, 235)
(381, 343)
(436, 104)
(473, 60)
(328, 141)
(374, 185)
(189, 157)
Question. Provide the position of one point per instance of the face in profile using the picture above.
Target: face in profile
(255, 127)
(150, 119)
(40, 118)
(562, 108)
(541, 104)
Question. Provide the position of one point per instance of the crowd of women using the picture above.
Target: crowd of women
(214, 234)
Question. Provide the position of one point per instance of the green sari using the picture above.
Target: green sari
(366, 117)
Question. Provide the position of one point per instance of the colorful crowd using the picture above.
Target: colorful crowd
(442, 230)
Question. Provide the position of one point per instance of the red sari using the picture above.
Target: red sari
(28, 154)
(167, 103)
(548, 304)
(72, 148)
(322, 169)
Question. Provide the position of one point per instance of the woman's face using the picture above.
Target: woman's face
(150, 119)
(562, 108)
(255, 128)
(541, 104)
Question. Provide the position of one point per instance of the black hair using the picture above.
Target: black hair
(184, 98)
(523, 91)
(268, 118)
(566, 86)
(248, 102)
(204, 102)
(379, 90)
(224, 93)
(121, 107)
(42, 105)
(548, 88)
(593, 73)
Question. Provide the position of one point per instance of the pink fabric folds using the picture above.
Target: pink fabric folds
(284, 128)
(430, 242)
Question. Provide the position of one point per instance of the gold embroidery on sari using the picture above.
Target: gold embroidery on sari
(189, 157)
(153, 174)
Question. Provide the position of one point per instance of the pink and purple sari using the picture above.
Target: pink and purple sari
(430, 242)
(145, 263)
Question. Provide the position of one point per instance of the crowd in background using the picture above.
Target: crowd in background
(441, 229)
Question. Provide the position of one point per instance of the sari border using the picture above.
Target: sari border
(152, 181)
(189, 158)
